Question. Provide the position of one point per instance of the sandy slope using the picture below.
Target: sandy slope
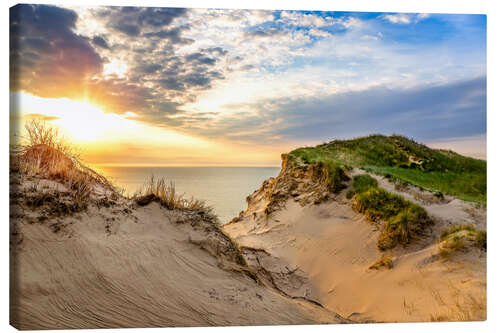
(333, 247)
(119, 265)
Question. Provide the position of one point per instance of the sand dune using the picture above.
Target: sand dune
(334, 246)
(300, 254)
(116, 264)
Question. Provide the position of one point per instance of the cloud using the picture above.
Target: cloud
(132, 21)
(101, 42)
(268, 33)
(255, 76)
(46, 54)
(425, 113)
(405, 18)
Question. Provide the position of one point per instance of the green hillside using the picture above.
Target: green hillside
(406, 161)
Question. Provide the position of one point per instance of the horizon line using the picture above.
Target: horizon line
(185, 165)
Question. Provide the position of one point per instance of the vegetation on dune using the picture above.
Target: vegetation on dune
(44, 153)
(384, 262)
(401, 158)
(459, 237)
(402, 219)
(363, 183)
(334, 173)
(158, 190)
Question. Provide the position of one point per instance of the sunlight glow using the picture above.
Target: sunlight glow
(115, 67)
(82, 122)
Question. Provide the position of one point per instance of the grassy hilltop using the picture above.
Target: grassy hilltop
(403, 160)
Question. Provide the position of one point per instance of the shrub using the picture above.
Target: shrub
(350, 194)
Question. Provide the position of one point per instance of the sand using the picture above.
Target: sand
(333, 247)
(118, 264)
(131, 266)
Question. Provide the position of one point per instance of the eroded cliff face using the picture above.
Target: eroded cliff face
(297, 223)
(303, 183)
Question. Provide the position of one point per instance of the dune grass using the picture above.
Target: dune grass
(164, 193)
(44, 153)
(458, 237)
(402, 219)
(402, 158)
(384, 262)
(363, 182)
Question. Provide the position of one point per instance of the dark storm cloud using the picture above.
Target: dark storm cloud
(46, 55)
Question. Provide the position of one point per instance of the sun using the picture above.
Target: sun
(85, 122)
(79, 121)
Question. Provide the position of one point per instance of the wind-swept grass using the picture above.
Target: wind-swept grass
(158, 190)
(404, 159)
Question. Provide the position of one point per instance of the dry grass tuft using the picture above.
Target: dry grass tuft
(384, 262)
(459, 238)
(158, 190)
(46, 154)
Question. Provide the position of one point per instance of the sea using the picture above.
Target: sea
(223, 188)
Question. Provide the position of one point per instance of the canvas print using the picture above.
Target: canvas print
(218, 167)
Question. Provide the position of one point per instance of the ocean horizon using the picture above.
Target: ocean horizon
(224, 188)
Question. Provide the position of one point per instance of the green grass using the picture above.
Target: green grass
(401, 158)
(363, 182)
(403, 220)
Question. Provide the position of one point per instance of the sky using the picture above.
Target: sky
(175, 86)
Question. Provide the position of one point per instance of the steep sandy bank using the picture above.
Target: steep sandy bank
(117, 264)
(295, 219)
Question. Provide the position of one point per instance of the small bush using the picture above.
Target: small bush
(350, 194)
(364, 182)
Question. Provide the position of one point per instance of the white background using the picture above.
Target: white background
(421, 6)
